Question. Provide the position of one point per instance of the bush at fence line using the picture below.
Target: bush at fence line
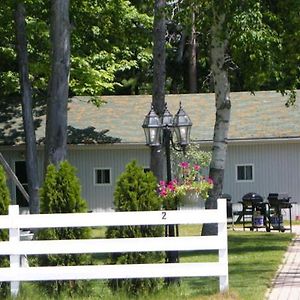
(61, 193)
(135, 191)
(4, 203)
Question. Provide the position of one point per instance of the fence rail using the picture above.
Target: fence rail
(17, 248)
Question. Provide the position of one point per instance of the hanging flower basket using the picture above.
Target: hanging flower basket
(190, 189)
(193, 199)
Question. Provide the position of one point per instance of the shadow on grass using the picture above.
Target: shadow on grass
(204, 286)
(251, 242)
(254, 258)
(198, 253)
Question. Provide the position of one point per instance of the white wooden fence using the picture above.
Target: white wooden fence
(17, 248)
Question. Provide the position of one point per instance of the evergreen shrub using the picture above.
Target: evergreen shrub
(136, 190)
(4, 203)
(61, 193)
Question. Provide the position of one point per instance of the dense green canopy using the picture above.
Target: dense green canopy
(109, 38)
(111, 47)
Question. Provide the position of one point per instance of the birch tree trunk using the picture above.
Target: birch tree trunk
(56, 123)
(159, 77)
(223, 105)
(30, 138)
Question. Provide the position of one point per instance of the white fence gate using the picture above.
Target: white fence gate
(17, 248)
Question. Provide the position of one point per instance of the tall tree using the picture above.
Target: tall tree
(111, 47)
(56, 122)
(242, 30)
(31, 148)
(219, 46)
(193, 56)
(159, 77)
(188, 24)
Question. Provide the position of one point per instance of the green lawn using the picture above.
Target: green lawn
(254, 258)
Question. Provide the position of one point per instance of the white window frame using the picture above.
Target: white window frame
(95, 177)
(244, 165)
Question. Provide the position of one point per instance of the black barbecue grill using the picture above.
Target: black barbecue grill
(252, 198)
(283, 199)
(278, 202)
(254, 210)
(229, 208)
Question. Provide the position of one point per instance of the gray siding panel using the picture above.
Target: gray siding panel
(276, 170)
(101, 197)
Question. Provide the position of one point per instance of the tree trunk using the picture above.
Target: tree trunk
(193, 58)
(159, 77)
(56, 123)
(223, 105)
(31, 148)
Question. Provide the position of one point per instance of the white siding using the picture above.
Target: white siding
(101, 197)
(276, 170)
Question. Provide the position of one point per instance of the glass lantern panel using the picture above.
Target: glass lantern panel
(152, 135)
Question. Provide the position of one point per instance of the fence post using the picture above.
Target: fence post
(223, 253)
(14, 236)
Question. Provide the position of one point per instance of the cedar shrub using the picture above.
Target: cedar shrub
(61, 193)
(4, 203)
(136, 190)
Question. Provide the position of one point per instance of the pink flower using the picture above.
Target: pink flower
(162, 183)
(196, 167)
(163, 193)
(171, 186)
(174, 181)
(209, 180)
(184, 165)
(165, 188)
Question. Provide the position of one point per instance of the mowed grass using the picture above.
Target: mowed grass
(254, 258)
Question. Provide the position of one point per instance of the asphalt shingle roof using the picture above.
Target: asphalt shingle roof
(259, 116)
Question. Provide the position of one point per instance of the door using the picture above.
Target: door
(20, 171)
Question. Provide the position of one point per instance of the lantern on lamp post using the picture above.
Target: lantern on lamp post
(159, 130)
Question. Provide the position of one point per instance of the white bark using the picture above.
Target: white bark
(223, 105)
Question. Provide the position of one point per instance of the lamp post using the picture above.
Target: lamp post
(159, 130)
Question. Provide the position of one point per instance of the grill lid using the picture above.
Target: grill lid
(279, 197)
(252, 197)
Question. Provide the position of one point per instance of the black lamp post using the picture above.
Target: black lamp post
(160, 130)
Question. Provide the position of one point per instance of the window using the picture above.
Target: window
(102, 176)
(147, 170)
(244, 173)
